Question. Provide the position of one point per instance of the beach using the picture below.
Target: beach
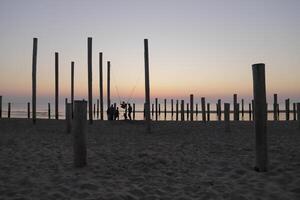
(178, 160)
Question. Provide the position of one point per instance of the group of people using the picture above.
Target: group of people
(113, 111)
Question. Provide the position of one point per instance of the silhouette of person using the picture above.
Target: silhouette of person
(117, 113)
(125, 112)
(108, 112)
(129, 111)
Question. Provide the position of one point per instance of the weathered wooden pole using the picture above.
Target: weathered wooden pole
(0, 107)
(79, 133)
(108, 84)
(156, 109)
(94, 110)
(133, 111)
(192, 107)
(208, 112)
(159, 109)
(176, 110)
(235, 117)
(49, 111)
(219, 110)
(250, 112)
(165, 108)
(90, 79)
(97, 108)
(182, 110)
(56, 86)
(275, 108)
(28, 110)
(243, 109)
(227, 116)
(203, 109)
(187, 111)
(259, 93)
(8, 111)
(238, 111)
(68, 117)
(152, 110)
(287, 109)
(34, 61)
(101, 84)
(147, 86)
(196, 109)
(172, 108)
(298, 114)
(294, 111)
(72, 88)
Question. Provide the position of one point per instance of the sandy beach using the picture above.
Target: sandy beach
(179, 160)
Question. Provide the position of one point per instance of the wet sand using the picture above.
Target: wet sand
(178, 160)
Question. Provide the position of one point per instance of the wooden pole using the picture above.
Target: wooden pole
(250, 112)
(243, 109)
(238, 111)
(152, 109)
(219, 110)
(147, 86)
(253, 110)
(101, 84)
(227, 116)
(68, 117)
(97, 108)
(56, 86)
(172, 108)
(49, 111)
(156, 109)
(28, 110)
(187, 112)
(133, 111)
(294, 111)
(196, 109)
(208, 112)
(203, 109)
(165, 108)
(159, 109)
(94, 110)
(235, 116)
(275, 108)
(182, 110)
(90, 80)
(34, 61)
(79, 133)
(298, 114)
(0, 107)
(72, 88)
(176, 110)
(66, 102)
(259, 93)
(108, 84)
(192, 107)
(8, 112)
(287, 109)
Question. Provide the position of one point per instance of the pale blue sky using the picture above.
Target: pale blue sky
(200, 47)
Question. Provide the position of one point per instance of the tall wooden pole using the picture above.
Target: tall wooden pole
(259, 93)
(101, 84)
(72, 89)
(90, 80)
(182, 110)
(156, 109)
(56, 85)
(79, 134)
(108, 84)
(34, 59)
(165, 108)
(176, 110)
(192, 107)
(147, 86)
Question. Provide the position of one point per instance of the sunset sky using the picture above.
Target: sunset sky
(200, 47)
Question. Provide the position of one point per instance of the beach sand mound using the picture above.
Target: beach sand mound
(178, 160)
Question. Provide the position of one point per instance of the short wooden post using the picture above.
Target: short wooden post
(94, 110)
(165, 108)
(56, 86)
(49, 111)
(235, 117)
(97, 108)
(90, 80)
(176, 110)
(172, 107)
(294, 111)
(237, 111)
(8, 111)
(197, 109)
(275, 116)
(152, 109)
(250, 112)
(182, 110)
(68, 117)
(79, 133)
(28, 110)
(0, 107)
(298, 114)
(287, 109)
(192, 107)
(187, 111)
(243, 109)
(259, 93)
(101, 84)
(156, 109)
(208, 112)
(219, 110)
(203, 109)
(227, 116)
(278, 112)
(159, 109)
(133, 111)
(34, 61)
(72, 88)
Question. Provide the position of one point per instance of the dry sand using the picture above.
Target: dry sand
(183, 160)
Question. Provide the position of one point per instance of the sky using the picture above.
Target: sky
(200, 47)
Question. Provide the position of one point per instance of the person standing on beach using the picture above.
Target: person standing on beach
(129, 111)
(125, 112)
(117, 114)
